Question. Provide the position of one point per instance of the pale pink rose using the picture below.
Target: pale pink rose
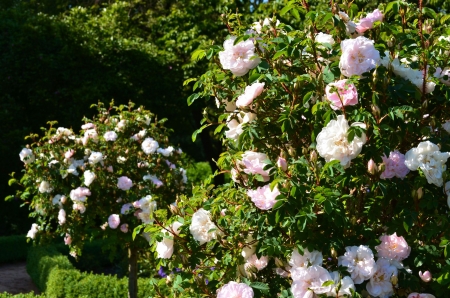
(421, 295)
(380, 284)
(426, 276)
(67, 239)
(263, 197)
(239, 58)
(367, 22)
(251, 92)
(124, 183)
(87, 126)
(254, 164)
(69, 153)
(394, 166)
(110, 136)
(393, 248)
(113, 221)
(110, 169)
(259, 264)
(126, 208)
(359, 261)
(80, 194)
(234, 289)
(306, 259)
(358, 56)
(309, 279)
(61, 216)
(124, 228)
(281, 163)
(90, 134)
(346, 94)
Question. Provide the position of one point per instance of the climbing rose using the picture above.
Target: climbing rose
(358, 56)
(61, 216)
(113, 221)
(308, 279)
(332, 142)
(251, 92)
(263, 197)
(124, 183)
(254, 164)
(32, 232)
(393, 247)
(306, 259)
(345, 95)
(234, 289)
(426, 276)
(394, 166)
(239, 58)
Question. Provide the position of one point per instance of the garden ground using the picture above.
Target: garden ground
(14, 279)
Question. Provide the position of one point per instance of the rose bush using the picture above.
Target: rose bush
(102, 182)
(321, 201)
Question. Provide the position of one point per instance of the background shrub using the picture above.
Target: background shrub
(14, 248)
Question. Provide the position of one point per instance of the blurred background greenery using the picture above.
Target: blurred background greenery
(59, 56)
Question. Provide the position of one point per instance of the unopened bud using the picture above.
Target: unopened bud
(291, 151)
(394, 280)
(279, 263)
(371, 167)
(375, 110)
(426, 276)
(174, 208)
(420, 193)
(391, 42)
(281, 163)
(334, 253)
(313, 156)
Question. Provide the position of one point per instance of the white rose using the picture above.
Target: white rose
(27, 156)
(446, 126)
(332, 142)
(358, 56)
(166, 152)
(45, 187)
(32, 232)
(165, 247)
(201, 225)
(429, 159)
(88, 177)
(324, 38)
(239, 58)
(149, 146)
(95, 157)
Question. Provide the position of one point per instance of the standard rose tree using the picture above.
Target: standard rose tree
(119, 172)
(335, 128)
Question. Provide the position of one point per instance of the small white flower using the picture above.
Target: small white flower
(27, 156)
(45, 187)
(88, 177)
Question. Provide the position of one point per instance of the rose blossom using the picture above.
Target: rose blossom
(95, 157)
(446, 126)
(429, 159)
(69, 153)
(367, 22)
(350, 26)
(113, 221)
(332, 142)
(27, 156)
(371, 167)
(88, 177)
(45, 187)
(380, 284)
(61, 216)
(358, 56)
(87, 126)
(441, 73)
(110, 136)
(158, 183)
(426, 276)
(324, 38)
(165, 247)
(149, 146)
(251, 92)
(307, 258)
(124, 228)
(254, 164)
(166, 152)
(67, 239)
(126, 208)
(259, 264)
(239, 58)
(235, 123)
(421, 295)
(201, 225)
(124, 183)
(394, 166)
(80, 194)
(263, 197)
(309, 279)
(393, 248)
(346, 283)
(90, 134)
(345, 95)
(32, 232)
(359, 261)
(234, 289)
(79, 206)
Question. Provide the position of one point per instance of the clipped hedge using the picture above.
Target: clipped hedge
(14, 248)
(27, 295)
(57, 277)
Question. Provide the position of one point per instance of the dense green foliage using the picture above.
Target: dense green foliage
(54, 274)
(28, 295)
(14, 248)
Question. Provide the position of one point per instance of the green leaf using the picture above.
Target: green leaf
(219, 128)
(198, 54)
(278, 54)
(194, 135)
(260, 286)
(192, 98)
(406, 226)
(286, 9)
(295, 13)
(328, 283)
(12, 181)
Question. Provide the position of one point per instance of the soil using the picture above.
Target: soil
(14, 279)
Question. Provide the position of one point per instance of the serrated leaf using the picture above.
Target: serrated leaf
(260, 286)
(198, 54)
(285, 9)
